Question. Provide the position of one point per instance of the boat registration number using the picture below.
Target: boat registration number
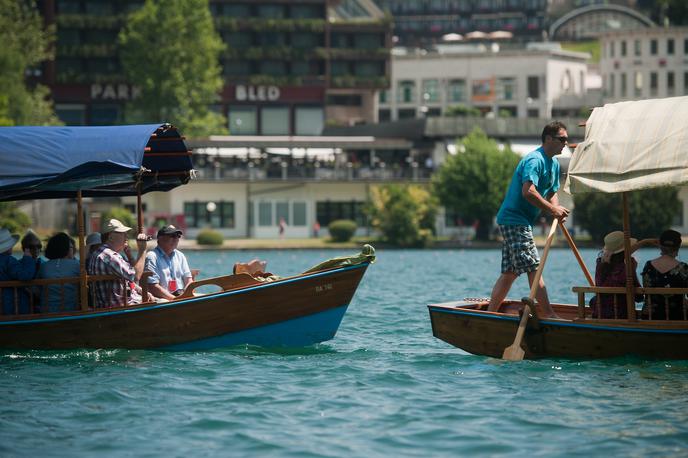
(325, 287)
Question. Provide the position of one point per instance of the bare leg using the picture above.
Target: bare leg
(541, 296)
(500, 290)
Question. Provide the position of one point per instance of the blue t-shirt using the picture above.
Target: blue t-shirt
(166, 268)
(543, 171)
(59, 268)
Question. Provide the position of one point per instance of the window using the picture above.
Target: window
(506, 88)
(638, 86)
(533, 113)
(104, 114)
(624, 85)
(369, 69)
(623, 48)
(406, 113)
(68, 6)
(384, 115)
(243, 120)
(99, 8)
(339, 68)
(298, 211)
(670, 46)
(304, 40)
(328, 211)
(265, 214)
(653, 83)
(406, 92)
(196, 214)
(237, 11)
(368, 41)
(282, 212)
(68, 36)
(457, 91)
(71, 114)
(236, 68)
(345, 100)
(383, 96)
(431, 91)
(685, 46)
(612, 46)
(685, 83)
(452, 218)
(273, 67)
(671, 84)
(238, 39)
(612, 85)
(339, 40)
(271, 11)
(533, 87)
(309, 120)
(275, 121)
(307, 12)
(636, 48)
(653, 47)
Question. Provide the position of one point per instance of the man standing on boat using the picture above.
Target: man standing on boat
(171, 273)
(107, 260)
(533, 189)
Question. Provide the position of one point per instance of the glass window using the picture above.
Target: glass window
(612, 46)
(638, 86)
(339, 68)
(243, 120)
(533, 87)
(369, 68)
(457, 90)
(533, 113)
(623, 48)
(339, 40)
(383, 96)
(233, 10)
(272, 39)
(196, 214)
(104, 114)
(384, 115)
(307, 12)
(236, 67)
(406, 113)
(653, 47)
(238, 39)
(275, 121)
(271, 11)
(671, 86)
(265, 213)
(99, 8)
(612, 85)
(368, 41)
(273, 67)
(406, 92)
(328, 211)
(624, 85)
(685, 46)
(309, 120)
(506, 88)
(300, 68)
(431, 91)
(68, 36)
(298, 210)
(636, 47)
(653, 83)
(670, 46)
(282, 211)
(71, 114)
(305, 40)
(68, 6)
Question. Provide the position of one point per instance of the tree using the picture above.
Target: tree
(13, 219)
(651, 211)
(25, 44)
(474, 181)
(122, 214)
(405, 215)
(462, 111)
(170, 50)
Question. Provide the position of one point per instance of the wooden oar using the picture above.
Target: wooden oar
(572, 244)
(514, 352)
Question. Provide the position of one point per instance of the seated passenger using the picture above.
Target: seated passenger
(60, 264)
(666, 271)
(93, 242)
(171, 273)
(13, 269)
(610, 270)
(107, 261)
(33, 243)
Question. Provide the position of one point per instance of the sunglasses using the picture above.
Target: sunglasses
(562, 139)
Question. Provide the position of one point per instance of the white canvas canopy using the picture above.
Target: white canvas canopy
(632, 145)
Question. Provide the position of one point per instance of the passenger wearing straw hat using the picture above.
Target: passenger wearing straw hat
(533, 189)
(13, 269)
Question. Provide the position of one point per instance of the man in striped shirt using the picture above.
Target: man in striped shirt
(107, 260)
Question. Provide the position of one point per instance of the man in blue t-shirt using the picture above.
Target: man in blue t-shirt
(533, 189)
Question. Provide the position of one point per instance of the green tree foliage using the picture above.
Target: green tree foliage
(462, 111)
(170, 50)
(13, 219)
(651, 211)
(405, 215)
(209, 237)
(341, 230)
(120, 213)
(670, 12)
(25, 43)
(474, 181)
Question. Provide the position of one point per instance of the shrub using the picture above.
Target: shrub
(209, 237)
(342, 230)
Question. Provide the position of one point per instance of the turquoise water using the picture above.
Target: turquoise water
(383, 387)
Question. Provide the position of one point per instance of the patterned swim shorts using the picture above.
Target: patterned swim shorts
(519, 253)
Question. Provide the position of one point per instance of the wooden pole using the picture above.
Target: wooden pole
(139, 209)
(630, 271)
(514, 352)
(83, 279)
(572, 244)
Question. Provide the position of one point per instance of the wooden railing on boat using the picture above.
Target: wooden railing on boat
(38, 291)
(647, 293)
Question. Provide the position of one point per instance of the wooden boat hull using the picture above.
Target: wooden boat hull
(297, 311)
(476, 331)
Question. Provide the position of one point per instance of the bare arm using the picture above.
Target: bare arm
(158, 291)
(643, 243)
(550, 205)
(140, 262)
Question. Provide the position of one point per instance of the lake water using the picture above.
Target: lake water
(383, 387)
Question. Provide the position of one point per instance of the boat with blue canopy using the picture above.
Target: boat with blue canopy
(112, 161)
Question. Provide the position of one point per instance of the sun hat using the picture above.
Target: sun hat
(7, 240)
(115, 225)
(169, 230)
(93, 239)
(670, 239)
(614, 242)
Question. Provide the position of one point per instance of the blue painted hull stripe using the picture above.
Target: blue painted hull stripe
(184, 302)
(297, 332)
(557, 323)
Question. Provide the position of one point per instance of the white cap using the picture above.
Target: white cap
(115, 225)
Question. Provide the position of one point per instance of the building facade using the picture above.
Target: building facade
(289, 66)
(514, 83)
(644, 64)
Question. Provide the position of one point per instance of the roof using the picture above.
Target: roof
(631, 146)
(54, 162)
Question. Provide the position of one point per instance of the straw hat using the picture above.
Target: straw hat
(7, 240)
(614, 242)
(115, 225)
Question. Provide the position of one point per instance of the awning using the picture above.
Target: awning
(632, 145)
(54, 162)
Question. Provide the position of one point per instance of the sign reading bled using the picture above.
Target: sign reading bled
(257, 93)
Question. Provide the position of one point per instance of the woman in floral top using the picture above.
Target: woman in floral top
(666, 272)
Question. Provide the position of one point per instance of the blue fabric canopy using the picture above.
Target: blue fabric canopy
(53, 162)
